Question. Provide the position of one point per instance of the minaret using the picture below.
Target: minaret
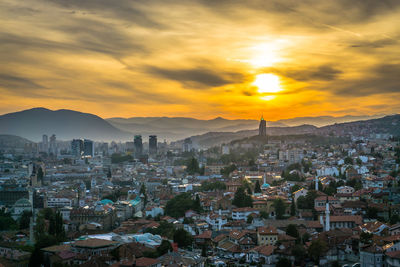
(327, 221)
(265, 179)
(219, 220)
(316, 183)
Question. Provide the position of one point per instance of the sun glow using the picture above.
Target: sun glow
(267, 83)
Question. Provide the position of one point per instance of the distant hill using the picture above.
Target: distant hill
(12, 141)
(69, 124)
(175, 128)
(65, 124)
(218, 138)
(386, 125)
(326, 120)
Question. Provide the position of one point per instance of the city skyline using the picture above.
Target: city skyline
(201, 59)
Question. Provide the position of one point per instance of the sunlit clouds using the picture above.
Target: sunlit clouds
(200, 58)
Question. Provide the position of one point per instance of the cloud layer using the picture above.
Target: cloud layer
(199, 57)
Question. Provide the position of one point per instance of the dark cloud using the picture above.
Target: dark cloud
(380, 43)
(382, 79)
(17, 83)
(197, 77)
(307, 73)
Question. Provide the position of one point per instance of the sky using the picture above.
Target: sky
(201, 58)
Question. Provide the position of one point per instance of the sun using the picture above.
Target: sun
(267, 83)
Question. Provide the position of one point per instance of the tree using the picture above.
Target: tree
(6, 221)
(40, 174)
(348, 160)
(192, 166)
(257, 188)
(317, 249)
(293, 208)
(177, 206)
(292, 231)
(197, 205)
(264, 214)
(284, 262)
(241, 199)
(280, 208)
(227, 170)
(249, 219)
(307, 202)
(143, 191)
(25, 220)
(372, 213)
(183, 238)
(299, 253)
(164, 247)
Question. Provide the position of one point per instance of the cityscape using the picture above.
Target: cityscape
(199, 133)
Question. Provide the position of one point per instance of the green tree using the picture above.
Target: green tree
(143, 191)
(177, 206)
(293, 208)
(249, 219)
(40, 174)
(284, 262)
(257, 188)
(182, 238)
(6, 221)
(264, 214)
(192, 166)
(299, 253)
(280, 208)
(317, 249)
(241, 199)
(227, 170)
(164, 247)
(25, 220)
(197, 205)
(292, 231)
(348, 160)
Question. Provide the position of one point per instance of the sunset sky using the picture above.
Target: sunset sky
(200, 58)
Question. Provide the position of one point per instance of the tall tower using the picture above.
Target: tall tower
(45, 143)
(153, 145)
(262, 129)
(53, 145)
(137, 141)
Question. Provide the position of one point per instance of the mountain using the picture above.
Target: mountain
(386, 125)
(179, 127)
(175, 128)
(325, 120)
(12, 141)
(218, 138)
(65, 124)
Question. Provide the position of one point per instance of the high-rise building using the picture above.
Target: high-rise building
(262, 129)
(45, 143)
(77, 147)
(53, 145)
(187, 145)
(153, 145)
(88, 148)
(138, 146)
